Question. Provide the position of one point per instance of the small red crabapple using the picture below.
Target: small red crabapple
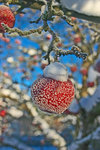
(77, 39)
(59, 44)
(49, 36)
(73, 19)
(9, 46)
(2, 113)
(6, 74)
(17, 41)
(7, 40)
(83, 71)
(44, 63)
(1, 36)
(53, 92)
(21, 59)
(21, 15)
(73, 68)
(7, 17)
(90, 84)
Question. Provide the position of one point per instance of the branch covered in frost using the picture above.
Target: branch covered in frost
(74, 51)
(50, 134)
(95, 135)
(20, 32)
(15, 143)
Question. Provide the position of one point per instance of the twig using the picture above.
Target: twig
(36, 21)
(20, 32)
(61, 14)
(73, 51)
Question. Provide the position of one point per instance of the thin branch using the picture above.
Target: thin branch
(61, 14)
(36, 21)
(20, 32)
(73, 51)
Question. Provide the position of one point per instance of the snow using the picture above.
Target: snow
(94, 135)
(56, 71)
(11, 141)
(74, 107)
(32, 52)
(10, 59)
(91, 101)
(87, 7)
(86, 103)
(91, 90)
(73, 146)
(15, 112)
(92, 74)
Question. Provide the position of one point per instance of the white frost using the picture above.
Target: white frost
(15, 112)
(92, 74)
(56, 71)
(74, 107)
(95, 135)
(88, 7)
(87, 103)
(91, 101)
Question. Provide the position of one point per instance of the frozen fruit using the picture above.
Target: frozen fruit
(7, 17)
(53, 92)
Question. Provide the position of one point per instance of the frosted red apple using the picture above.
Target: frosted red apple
(7, 17)
(53, 92)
